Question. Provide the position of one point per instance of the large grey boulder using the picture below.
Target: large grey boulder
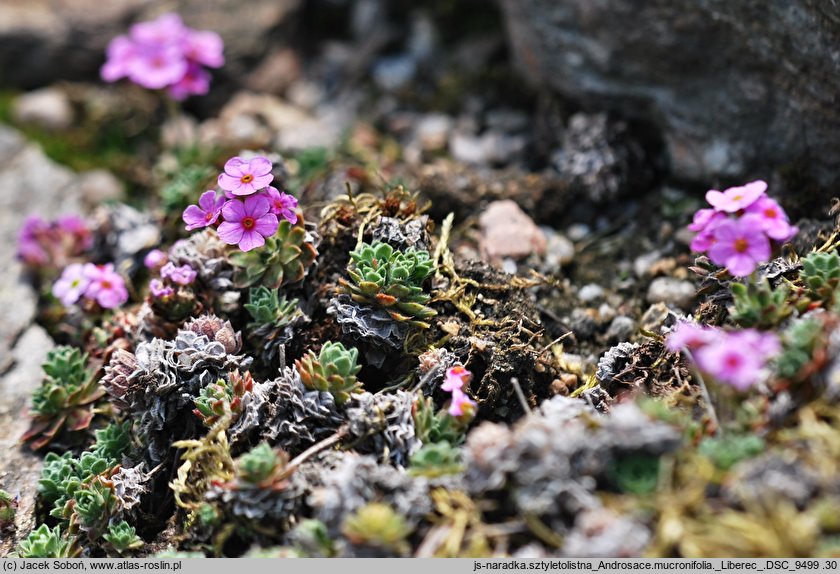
(738, 88)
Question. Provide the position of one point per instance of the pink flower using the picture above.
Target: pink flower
(248, 224)
(774, 219)
(195, 82)
(154, 259)
(740, 245)
(282, 204)
(183, 275)
(456, 378)
(205, 213)
(71, 285)
(205, 48)
(461, 404)
(246, 177)
(705, 222)
(736, 198)
(159, 290)
(163, 53)
(689, 335)
(738, 367)
(106, 286)
(29, 245)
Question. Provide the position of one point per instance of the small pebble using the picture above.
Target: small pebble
(672, 291)
(578, 231)
(590, 293)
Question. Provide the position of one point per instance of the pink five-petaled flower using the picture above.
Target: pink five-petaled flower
(456, 378)
(736, 198)
(774, 219)
(71, 285)
(248, 224)
(282, 204)
(159, 290)
(106, 286)
(687, 335)
(183, 275)
(29, 244)
(740, 245)
(243, 177)
(461, 404)
(205, 213)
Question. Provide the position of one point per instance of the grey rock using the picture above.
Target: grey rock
(671, 291)
(19, 468)
(736, 111)
(432, 131)
(622, 328)
(99, 185)
(34, 185)
(47, 108)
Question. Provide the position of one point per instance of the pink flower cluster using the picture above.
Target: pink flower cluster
(456, 379)
(738, 230)
(250, 206)
(41, 242)
(170, 275)
(735, 358)
(164, 53)
(98, 283)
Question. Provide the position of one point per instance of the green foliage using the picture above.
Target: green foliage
(757, 305)
(113, 441)
(436, 459)
(284, 258)
(8, 508)
(333, 370)
(95, 502)
(179, 192)
(377, 524)
(65, 397)
(261, 466)
(312, 538)
(728, 451)
(122, 537)
(208, 515)
(635, 473)
(44, 542)
(221, 397)
(311, 163)
(65, 373)
(267, 307)
(393, 280)
(433, 426)
(63, 476)
(821, 276)
(798, 343)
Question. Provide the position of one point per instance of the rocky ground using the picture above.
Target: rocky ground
(574, 217)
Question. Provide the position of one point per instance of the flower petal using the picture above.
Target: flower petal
(267, 225)
(234, 210)
(236, 166)
(230, 233)
(259, 166)
(251, 240)
(257, 205)
(229, 183)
